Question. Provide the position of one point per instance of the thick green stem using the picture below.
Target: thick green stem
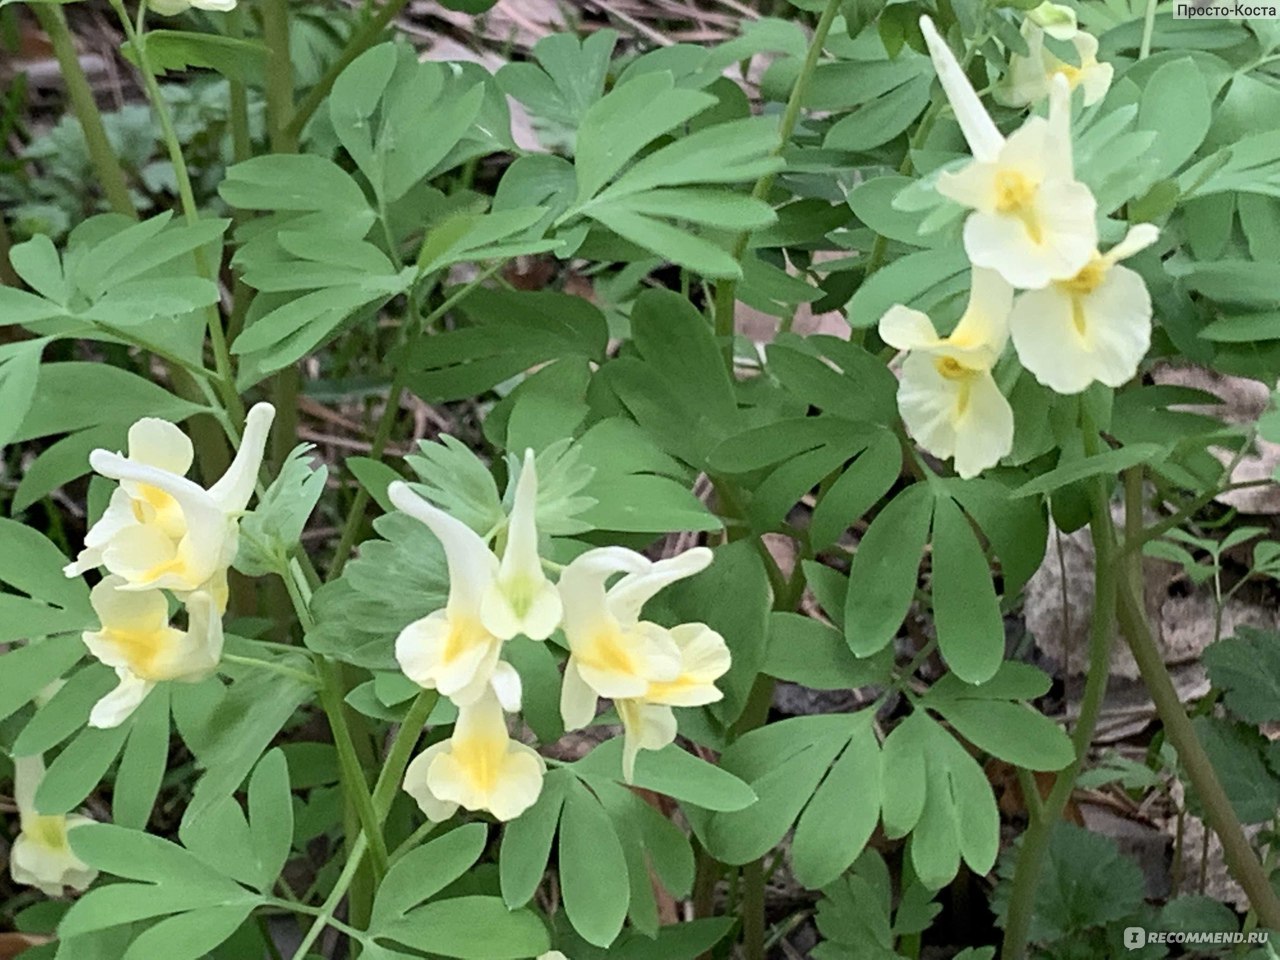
(1035, 841)
(753, 918)
(221, 356)
(105, 162)
(360, 41)
(1240, 856)
(726, 290)
(334, 899)
(401, 749)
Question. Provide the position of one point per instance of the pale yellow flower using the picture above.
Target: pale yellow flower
(1055, 19)
(456, 650)
(136, 639)
(1030, 78)
(1095, 326)
(41, 856)
(947, 396)
(644, 668)
(1031, 221)
(478, 768)
(161, 530)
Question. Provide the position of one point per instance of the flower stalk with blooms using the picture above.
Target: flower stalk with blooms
(947, 396)
(135, 639)
(1094, 326)
(1030, 78)
(456, 650)
(1031, 221)
(479, 768)
(161, 530)
(644, 668)
(41, 855)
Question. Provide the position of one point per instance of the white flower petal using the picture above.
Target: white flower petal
(416, 785)
(627, 598)
(975, 123)
(472, 565)
(905, 329)
(118, 705)
(507, 686)
(233, 490)
(704, 659)
(160, 444)
(645, 726)
(984, 434)
(577, 699)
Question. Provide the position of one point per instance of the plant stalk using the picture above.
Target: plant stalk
(1035, 840)
(726, 290)
(105, 162)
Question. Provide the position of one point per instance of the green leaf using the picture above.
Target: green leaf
(882, 577)
(142, 767)
(881, 120)
(526, 843)
(191, 935)
(1085, 882)
(271, 817)
(453, 478)
(27, 670)
(1246, 668)
(1176, 106)
(568, 80)
(840, 818)
(135, 855)
(179, 50)
(913, 281)
(673, 772)
(1013, 732)
(79, 768)
(783, 763)
(19, 371)
(808, 652)
(272, 531)
(966, 611)
(1237, 754)
(303, 182)
(69, 397)
(66, 712)
(617, 127)
(423, 872)
(511, 333)
(856, 490)
(471, 928)
(593, 868)
(1111, 462)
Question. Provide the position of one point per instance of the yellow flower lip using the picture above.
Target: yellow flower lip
(953, 369)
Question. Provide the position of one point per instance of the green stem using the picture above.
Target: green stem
(105, 162)
(354, 782)
(753, 919)
(401, 749)
(1148, 28)
(425, 829)
(299, 675)
(360, 41)
(1035, 841)
(1240, 857)
(726, 290)
(330, 907)
(191, 212)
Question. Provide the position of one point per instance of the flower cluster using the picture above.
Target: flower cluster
(1080, 317)
(496, 595)
(163, 534)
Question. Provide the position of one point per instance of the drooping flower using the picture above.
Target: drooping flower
(1094, 326)
(456, 650)
(161, 530)
(947, 396)
(1030, 78)
(478, 768)
(136, 639)
(1055, 19)
(1032, 220)
(648, 722)
(41, 856)
(645, 668)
